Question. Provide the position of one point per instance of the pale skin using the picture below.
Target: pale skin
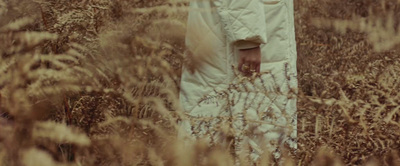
(249, 61)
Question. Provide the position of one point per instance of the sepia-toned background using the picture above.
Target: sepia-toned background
(96, 82)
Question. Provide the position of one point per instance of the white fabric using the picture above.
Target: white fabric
(213, 93)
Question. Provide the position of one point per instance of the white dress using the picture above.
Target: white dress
(261, 113)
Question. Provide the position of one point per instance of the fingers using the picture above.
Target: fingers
(255, 68)
(241, 64)
(249, 68)
(246, 69)
(258, 67)
(249, 61)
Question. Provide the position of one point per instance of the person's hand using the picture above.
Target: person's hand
(249, 61)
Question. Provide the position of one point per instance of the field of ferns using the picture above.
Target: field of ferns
(96, 83)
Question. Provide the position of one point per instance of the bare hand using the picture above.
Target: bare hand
(249, 61)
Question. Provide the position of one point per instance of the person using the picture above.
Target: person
(255, 38)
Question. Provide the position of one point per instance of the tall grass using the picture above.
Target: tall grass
(347, 67)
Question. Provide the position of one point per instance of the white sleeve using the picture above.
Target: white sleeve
(243, 20)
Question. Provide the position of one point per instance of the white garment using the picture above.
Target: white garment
(264, 112)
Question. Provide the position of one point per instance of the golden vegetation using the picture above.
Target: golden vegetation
(95, 82)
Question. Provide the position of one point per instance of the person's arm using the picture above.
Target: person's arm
(245, 26)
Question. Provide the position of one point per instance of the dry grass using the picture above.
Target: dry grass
(95, 82)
